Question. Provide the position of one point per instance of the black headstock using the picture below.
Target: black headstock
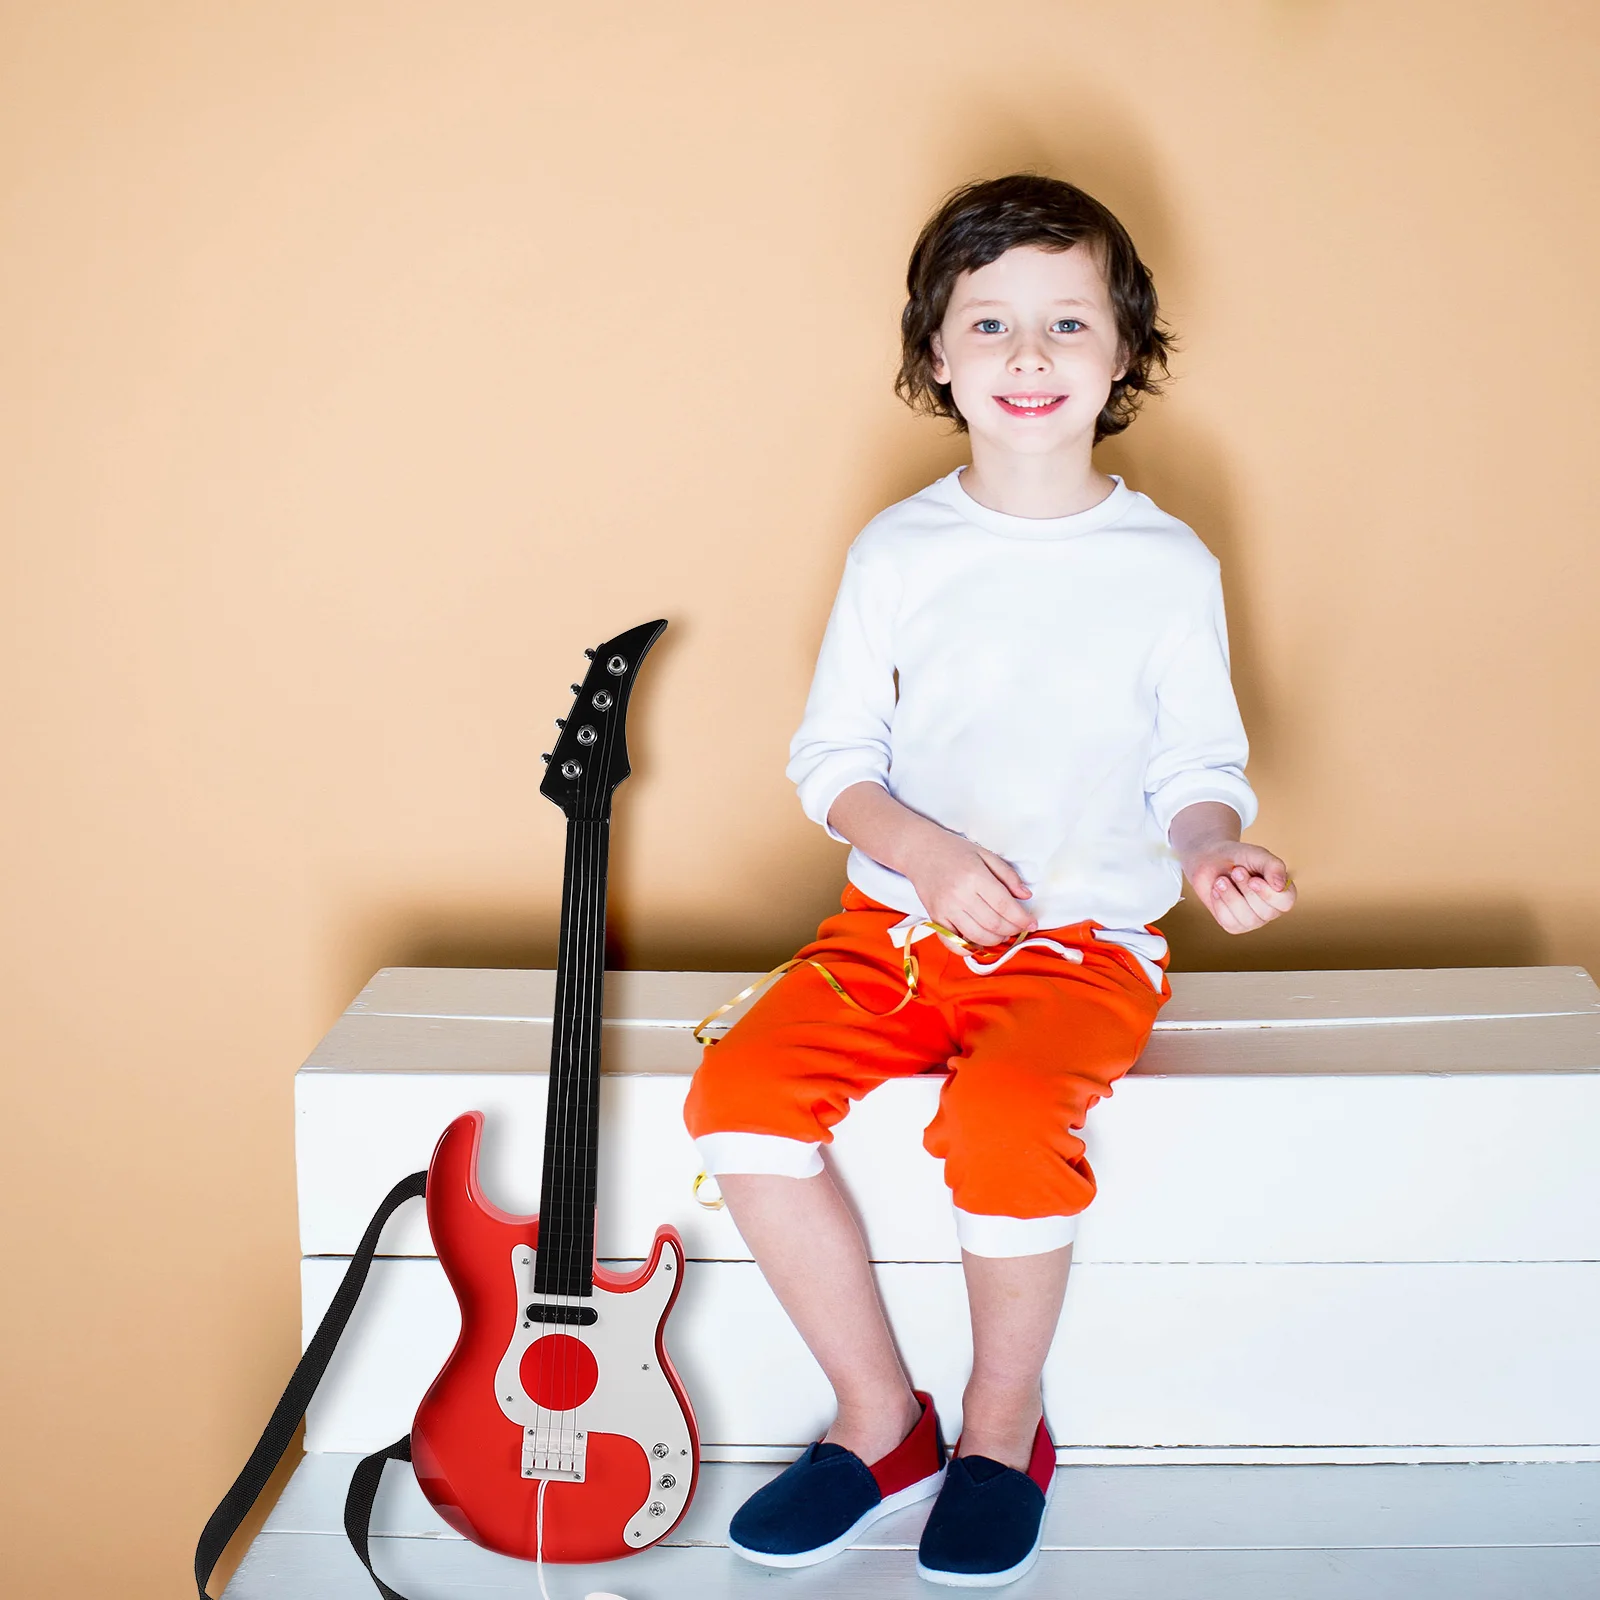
(591, 757)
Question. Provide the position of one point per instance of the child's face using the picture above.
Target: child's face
(1029, 348)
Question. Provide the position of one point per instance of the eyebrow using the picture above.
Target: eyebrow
(967, 305)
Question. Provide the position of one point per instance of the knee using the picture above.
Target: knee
(1007, 1102)
(1009, 1150)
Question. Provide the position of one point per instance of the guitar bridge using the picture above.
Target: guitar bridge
(565, 1458)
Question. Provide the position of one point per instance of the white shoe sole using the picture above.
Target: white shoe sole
(924, 1489)
(991, 1580)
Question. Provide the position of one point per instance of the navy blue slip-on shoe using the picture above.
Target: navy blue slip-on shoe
(824, 1501)
(984, 1528)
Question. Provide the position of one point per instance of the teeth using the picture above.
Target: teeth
(1031, 405)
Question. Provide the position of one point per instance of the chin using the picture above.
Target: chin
(1030, 440)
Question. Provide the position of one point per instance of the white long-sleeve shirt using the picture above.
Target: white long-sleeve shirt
(1053, 689)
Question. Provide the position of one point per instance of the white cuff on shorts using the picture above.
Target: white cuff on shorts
(758, 1152)
(1012, 1236)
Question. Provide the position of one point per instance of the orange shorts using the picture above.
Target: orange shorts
(1028, 1048)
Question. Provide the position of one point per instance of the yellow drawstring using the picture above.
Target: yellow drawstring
(912, 969)
(912, 973)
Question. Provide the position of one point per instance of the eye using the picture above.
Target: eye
(1066, 325)
(991, 325)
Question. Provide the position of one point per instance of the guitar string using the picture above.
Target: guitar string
(577, 1076)
(554, 1204)
(576, 999)
(548, 1199)
(576, 1072)
(582, 1262)
(578, 1004)
(590, 1087)
(560, 1150)
(586, 1074)
(573, 1073)
(561, 1153)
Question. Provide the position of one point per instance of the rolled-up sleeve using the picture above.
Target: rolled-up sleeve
(1200, 749)
(843, 738)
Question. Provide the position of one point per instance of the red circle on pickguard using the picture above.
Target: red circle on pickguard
(559, 1372)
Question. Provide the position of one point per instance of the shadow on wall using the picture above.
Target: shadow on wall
(423, 937)
(1472, 934)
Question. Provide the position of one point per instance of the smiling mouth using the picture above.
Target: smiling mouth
(1030, 405)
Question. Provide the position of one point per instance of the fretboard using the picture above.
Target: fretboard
(565, 1264)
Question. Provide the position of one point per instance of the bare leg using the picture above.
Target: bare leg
(810, 1250)
(1016, 1303)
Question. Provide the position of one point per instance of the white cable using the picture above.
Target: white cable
(538, 1551)
(538, 1538)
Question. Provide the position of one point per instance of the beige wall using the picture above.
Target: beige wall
(362, 363)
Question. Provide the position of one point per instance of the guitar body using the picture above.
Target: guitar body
(594, 1406)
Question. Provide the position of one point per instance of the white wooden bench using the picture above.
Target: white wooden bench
(1344, 1217)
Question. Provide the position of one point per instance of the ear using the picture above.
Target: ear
(941, 367)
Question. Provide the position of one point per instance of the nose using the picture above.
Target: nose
(1028, 356)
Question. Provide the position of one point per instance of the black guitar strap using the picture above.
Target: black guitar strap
(358, 1506)
(275, 1438)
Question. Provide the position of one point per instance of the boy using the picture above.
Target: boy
(1022, 722)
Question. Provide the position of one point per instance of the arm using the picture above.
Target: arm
(839, 763)
(962, 885)
(1242, 885)
(1195, 781)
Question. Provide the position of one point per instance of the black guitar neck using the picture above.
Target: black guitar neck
(589, 761)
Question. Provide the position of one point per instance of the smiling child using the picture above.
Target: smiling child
(1022, 722)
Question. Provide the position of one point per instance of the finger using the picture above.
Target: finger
(1263, 864)
(1257, 894)
(1229, 898)
(1012, 915)
(980, 924)
(1222, 906)
(1223, 911)
(1006, 873)
(1012, 922)
(1278, 900)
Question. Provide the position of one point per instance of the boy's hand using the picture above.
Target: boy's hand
(1241, 885)
(967, 888)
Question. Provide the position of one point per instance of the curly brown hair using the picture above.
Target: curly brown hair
(981, 221)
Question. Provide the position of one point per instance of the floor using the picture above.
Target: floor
(1458, 1532)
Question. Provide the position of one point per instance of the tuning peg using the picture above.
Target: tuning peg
(590, 654)
(577, 688)
(545, 757)
(561, 722)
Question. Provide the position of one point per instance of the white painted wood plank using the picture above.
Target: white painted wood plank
(1244, 998)
(295, 1565)
(1121, 1508)
(1570, 1042)
(681, 998)
(1328, 1355)
(1495, 1044)
(667, 999)
(374, 1042)
(1195, 1169)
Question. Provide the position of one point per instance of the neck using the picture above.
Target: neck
(565, 1263)
(1057, 484)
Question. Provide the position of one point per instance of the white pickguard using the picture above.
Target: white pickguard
(632, 1397)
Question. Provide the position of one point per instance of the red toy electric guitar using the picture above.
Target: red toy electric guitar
(560, 1377)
